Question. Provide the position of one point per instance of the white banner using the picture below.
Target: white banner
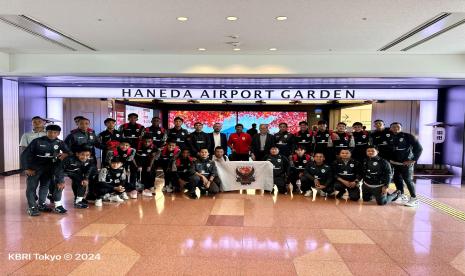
(242, 94)
(238, 175)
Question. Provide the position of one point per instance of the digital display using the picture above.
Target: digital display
(273, 119)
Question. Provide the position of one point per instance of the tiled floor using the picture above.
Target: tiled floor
(234, 234)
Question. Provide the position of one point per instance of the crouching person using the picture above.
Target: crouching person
(376, 178)
(205, 169)
(111, 182)
(348, 175)
(280, 168)
(318, 176)
(126, 155)
(298, 163)
(186, 176)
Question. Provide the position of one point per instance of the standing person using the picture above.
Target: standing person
(322, 140)
(348, 174)
(132, 131)
(361, 139)
(205, 169)
(261, 143)
(40, 160)
(108, 139)
(38, 130)
(406, 150)
(126, 154)
(157, 133)
(283, 140)
(380, 138)
(303, 138)
(253, 130)
(198, 140)
(165, 158)
(218, 139)
(239, 142)
(144, 158)
(111, 182)
(376, 173)
(178, 134)
(342, 139)
(185, 174)
(83, 135)
(318, 176)
(299, 161)
(280, 168)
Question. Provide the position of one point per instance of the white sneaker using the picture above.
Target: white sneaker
(197, 192)
(147, 193)
(322, 194)
(308, 193)
(291, 188)
(106, 197)
(116, 198)
(124, 196)
(413, 202)
(402, 198)
(133, 194)
(168, 189)
(98, 203)
(152, 190)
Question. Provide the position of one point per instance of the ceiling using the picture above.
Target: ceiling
(150, 26)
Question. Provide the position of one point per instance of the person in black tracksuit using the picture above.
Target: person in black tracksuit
(322, 140)
(108, 139)
(362, 140)
(299, 161)
(126, 155)
(376, 173)
(348, 174)
(144, 159)
(185, 173)
(132, 131)
(380, 138)
(284, 140)
(82, 136)
(318, 176)
(280, 168)
(341, 139)
(165, 158)
(157, 133)
(111, 181)
(303, 138)
(406, 150)
(206, 171)
(178, 134)
(198, 140)
(41, 162)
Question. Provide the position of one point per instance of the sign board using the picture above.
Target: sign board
(439, 135)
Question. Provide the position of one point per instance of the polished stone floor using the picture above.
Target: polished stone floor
(234, 234)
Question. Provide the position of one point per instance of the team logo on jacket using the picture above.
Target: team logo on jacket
(137, 130)
(351, 165)
(364, 136)
(118, 175)
(279, 160)
(245, 175)
(305, 161)
(208, 165)
(91, 137)
(327, 135)
(158, 132)
(401, 139)
(56, 147)
(375, 163)
(182, 133)
(285, 136)
(308, 134)
(149, 150)
(323, 170)
(117, 135)
(388, 135)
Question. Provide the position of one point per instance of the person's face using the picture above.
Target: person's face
(322, 127)
(396, 128)
(124, 146)
(345, 154)
(77, 122)
(198, 127)
(83, 156)
(341, 128)
(185, 154)
(37, 123)
(239, 129)
(379, 125)
(171, 146)
(204, 153)
(282, 128)
(83, 124)
(263, 129)
(133, 119)
(319, 158)
(303, 127)
(371, 152)
(155, 121)
(52, 134)
(110, 125)
(300, 152)
(148, 142)
(219, 153)
(116, 165)
(357, 128)
(217, 127)
(177, 123)
(274, 151)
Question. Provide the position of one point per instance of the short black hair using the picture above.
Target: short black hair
(133, 114)
(197, 123)
(280, 124)
(178, 118)
(37, 117)
(53, 128)
(155, 117)
(171, 141)
(322, 122)
(396, 123)
(218, 147)
(342, 123)
(303, 123)
(241, 125)
(83, 148)
(254, 124)
(109, 120)
(357, 124)
(116, 159)
(372, 147)
(78, 118)
(378, 120)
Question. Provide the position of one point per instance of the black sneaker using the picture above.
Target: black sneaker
(192, 195)
(80, 205)
(44, 208)
(33, 211)
(85, 201)
(60, 210)
(50, 197)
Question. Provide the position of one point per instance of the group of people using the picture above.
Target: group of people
(318, 160)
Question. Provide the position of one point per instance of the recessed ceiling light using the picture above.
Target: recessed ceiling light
(182, 18)
(231, 18)
(273, 49)
(202, 49)
(281, 18)
(237, 49)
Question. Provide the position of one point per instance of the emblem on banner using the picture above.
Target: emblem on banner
(245, 175)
